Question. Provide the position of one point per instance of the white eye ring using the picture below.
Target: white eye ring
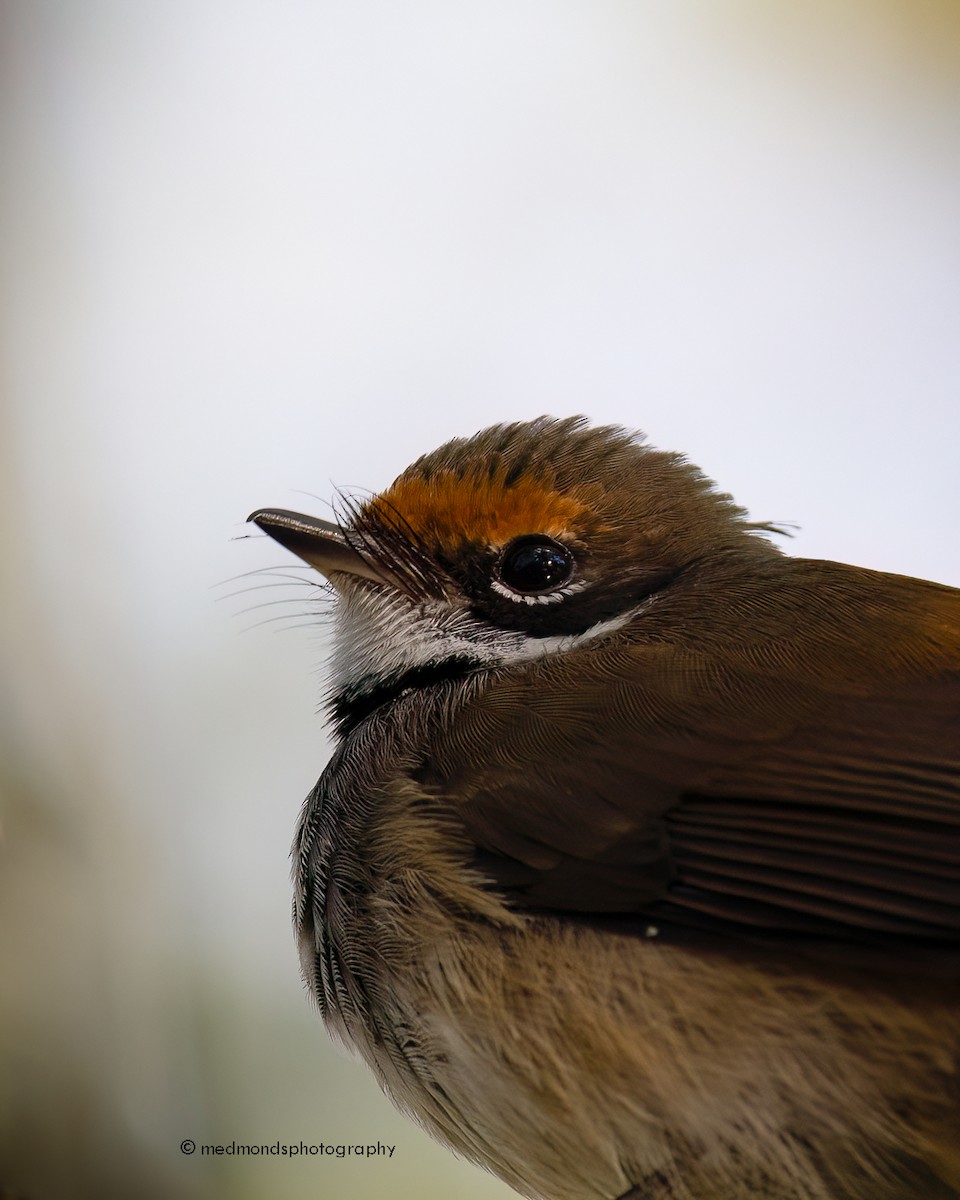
(569, 589)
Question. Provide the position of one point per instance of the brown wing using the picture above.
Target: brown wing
(789, 786)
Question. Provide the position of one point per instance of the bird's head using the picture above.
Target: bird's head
(524, 540)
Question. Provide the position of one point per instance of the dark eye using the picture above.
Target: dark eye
(535, 564)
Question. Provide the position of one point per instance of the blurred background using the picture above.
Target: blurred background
(254, 250)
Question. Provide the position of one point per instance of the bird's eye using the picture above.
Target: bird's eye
(535, 564)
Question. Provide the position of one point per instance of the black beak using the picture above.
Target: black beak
(321, 544)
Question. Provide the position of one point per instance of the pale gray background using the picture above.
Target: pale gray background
(256, 249)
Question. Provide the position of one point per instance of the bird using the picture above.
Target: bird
(635, 870)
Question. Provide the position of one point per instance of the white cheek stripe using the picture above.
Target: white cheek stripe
(379, 634)
(539, 647)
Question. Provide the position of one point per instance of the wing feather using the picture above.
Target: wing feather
(768, 790)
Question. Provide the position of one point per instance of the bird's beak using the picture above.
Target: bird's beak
(320, 544)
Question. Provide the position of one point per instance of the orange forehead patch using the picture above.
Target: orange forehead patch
(447, 510)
